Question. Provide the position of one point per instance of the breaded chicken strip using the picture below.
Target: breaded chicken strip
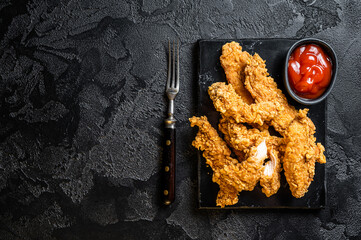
(301, 154)
(230, 104)
(245, 175)
(301, 151)
(216, 153)
(241, 138)
(234, 61)
(264, 89)
(227, 171)
(227, 195)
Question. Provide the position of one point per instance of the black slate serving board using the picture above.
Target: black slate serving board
(274, 52)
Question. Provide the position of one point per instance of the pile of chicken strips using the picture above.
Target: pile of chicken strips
(249, 104)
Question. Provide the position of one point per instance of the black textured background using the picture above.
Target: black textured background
(82, 107)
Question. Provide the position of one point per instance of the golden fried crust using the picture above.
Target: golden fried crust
(301, 151)
(216, 153)
(244, 175)
(227, 195)
(301, 154)
(234, 61)
(239, 137)
(264, 89)
(227, 171)
(208, 139)
(230, 104)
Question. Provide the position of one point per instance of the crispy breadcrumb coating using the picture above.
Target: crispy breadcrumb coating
(234, 61)
(301, 154)
(230, 104)
(264, 89)
(301, 150)
(229, 173)
(241, 138)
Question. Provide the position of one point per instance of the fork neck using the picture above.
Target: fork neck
(170, 121)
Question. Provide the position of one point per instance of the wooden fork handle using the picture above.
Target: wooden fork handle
(168, 188)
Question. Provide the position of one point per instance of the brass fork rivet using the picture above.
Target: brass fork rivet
(165, 192)
(166, 169)
(167, 142)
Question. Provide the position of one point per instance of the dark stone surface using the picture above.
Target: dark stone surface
(82, 107)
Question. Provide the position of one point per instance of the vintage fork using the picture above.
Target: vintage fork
(169, 158)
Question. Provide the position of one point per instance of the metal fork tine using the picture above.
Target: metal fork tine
(169, 66)
(177, 80)
(173, 69)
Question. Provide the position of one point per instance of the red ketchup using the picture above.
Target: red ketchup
(309, 71)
